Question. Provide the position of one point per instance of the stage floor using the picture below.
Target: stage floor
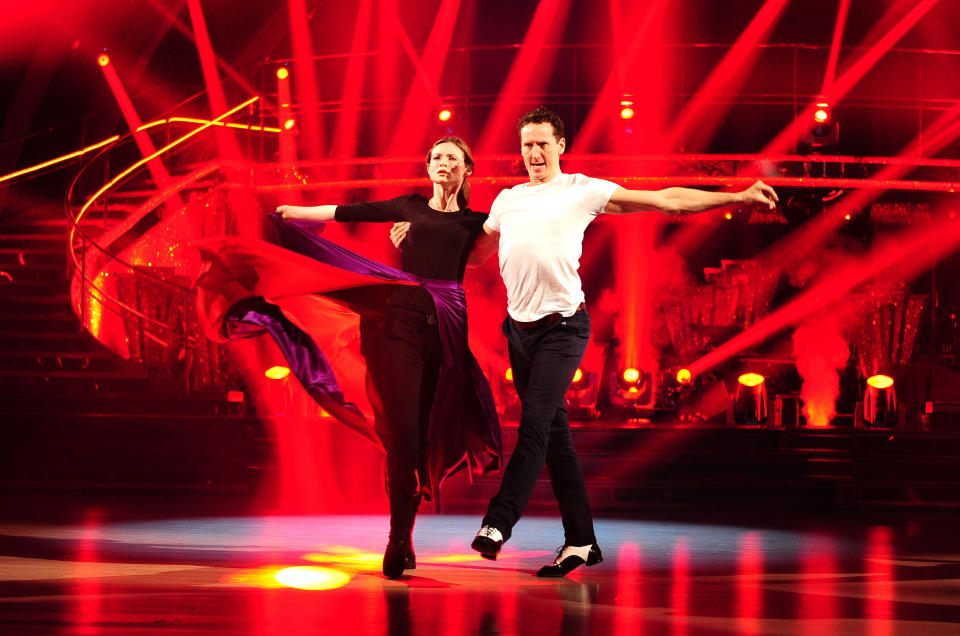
(896, 573)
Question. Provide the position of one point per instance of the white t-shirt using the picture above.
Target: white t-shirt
(541, 238)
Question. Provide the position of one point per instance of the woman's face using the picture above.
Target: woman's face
(446, 166)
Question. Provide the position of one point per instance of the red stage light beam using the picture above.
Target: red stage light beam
(800, 242)
(208, 64)
(839, 26)
(598, 120)
(787, 137)
(288, 144)
(185, 31)
(901, 259)
(534, 54)
(305, 79)
(345, 137)
(417, 108)
(693, 128)
(157, 170)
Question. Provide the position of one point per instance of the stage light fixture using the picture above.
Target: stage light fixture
(633, 384)
(880, 402)
(278, 372)
(626, 109)
(283, 73)
(444, 115)
(684, 376)
(750, 401)
(508, 376)
(289, 124)
(824, 129)
(103, 59)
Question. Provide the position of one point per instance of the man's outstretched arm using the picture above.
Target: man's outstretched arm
(687, 200)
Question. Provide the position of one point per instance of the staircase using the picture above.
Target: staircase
(73, 415)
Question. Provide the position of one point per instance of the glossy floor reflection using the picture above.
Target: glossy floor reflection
(320, 575)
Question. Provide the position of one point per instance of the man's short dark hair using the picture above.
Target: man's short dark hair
(541, 115)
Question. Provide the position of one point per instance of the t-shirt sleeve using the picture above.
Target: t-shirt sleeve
(597, 193)
(373, 211)
(493, 219)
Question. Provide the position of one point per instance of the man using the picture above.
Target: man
(539, 227)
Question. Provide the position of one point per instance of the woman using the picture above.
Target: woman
(426, 431)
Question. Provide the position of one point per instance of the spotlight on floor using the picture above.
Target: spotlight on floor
(880, 402)
(750, 401)
(277, 372)
(683, 376)
(633, 385)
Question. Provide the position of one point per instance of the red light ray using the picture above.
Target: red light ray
(696, 124)
(211, 77)
(419, 105)
(345, 137)
(288, 143)
(786, 138)
(305, 77)
(598, 119)
(799, 243)
(900, 259)
(839, 26)
(157, 170)
(523, 78)
(185, 31)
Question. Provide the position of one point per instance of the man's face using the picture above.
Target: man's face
(541, 151)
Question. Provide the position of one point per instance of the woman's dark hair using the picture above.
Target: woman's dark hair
(541, 115)
(463, 197)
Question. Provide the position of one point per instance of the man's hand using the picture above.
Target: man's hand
(287, 211)
(399, 232)
(760, 194)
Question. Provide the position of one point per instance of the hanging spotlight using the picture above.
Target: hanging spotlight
(289, 124)
(626, 109)
(824, 129)
(880, 402)
(750, 401)
(444, 115)
(103, 59)
(283, 73)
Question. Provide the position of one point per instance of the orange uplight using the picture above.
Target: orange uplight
(277, 372)
(631, 376)
(509, 374)
(289, 124)
(578, 375)
(880, 381)
(309, 577)
(103, 59)
(445, 114)
(751, 379)
(283, 73)
(684, 376)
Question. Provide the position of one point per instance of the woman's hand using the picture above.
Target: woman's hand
(399, 232)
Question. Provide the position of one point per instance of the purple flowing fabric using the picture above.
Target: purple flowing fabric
(464, 430)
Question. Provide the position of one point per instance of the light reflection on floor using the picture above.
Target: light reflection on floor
(303, 574)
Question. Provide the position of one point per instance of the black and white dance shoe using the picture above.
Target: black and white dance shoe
(488, 542)
(569, 558)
